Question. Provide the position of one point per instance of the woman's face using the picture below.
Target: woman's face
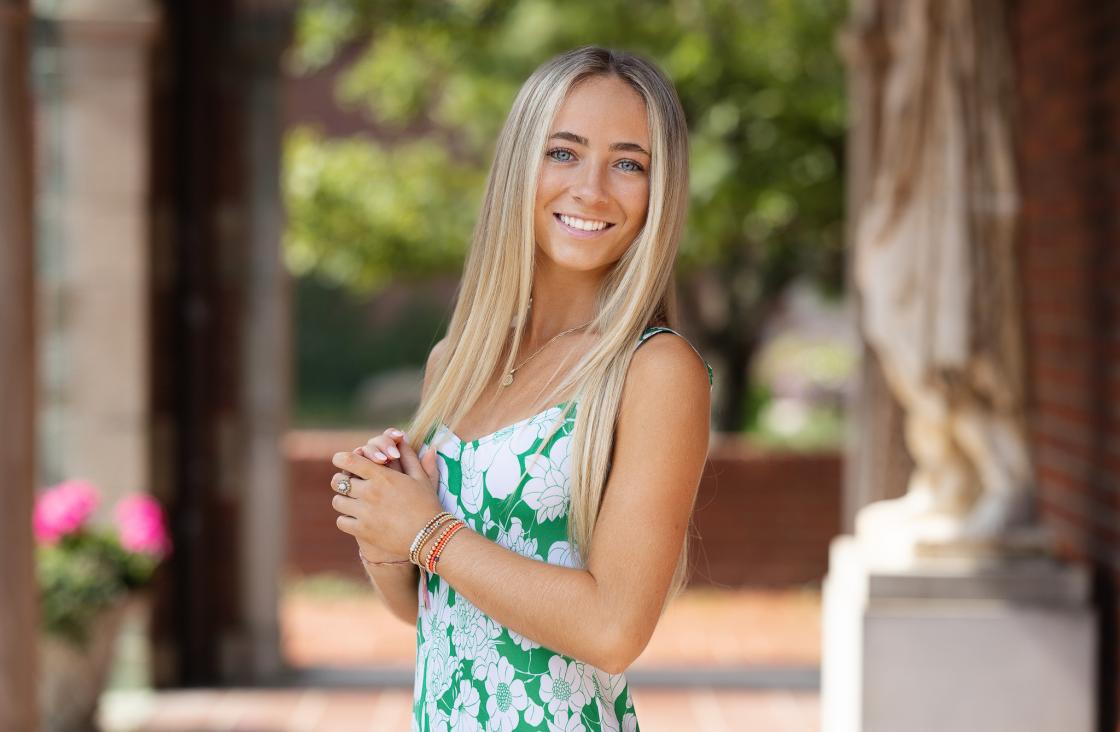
(593, 190)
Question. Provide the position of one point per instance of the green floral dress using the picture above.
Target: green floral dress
(473, 673)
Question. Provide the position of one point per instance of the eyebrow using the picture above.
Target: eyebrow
(579, 140)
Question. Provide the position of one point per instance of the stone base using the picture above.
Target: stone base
(956, 647)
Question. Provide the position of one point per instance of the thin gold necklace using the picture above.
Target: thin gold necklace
(508, 378)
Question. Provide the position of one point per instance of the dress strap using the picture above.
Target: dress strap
(653, 330)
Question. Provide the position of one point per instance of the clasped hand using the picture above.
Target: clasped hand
(389, 500)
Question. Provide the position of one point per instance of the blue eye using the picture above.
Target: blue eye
(560, 151)
(637, 166)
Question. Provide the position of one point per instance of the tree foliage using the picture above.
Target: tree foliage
(760, 82)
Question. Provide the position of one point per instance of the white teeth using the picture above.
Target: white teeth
(583, 224)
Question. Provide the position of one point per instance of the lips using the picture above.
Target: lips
(579, 233)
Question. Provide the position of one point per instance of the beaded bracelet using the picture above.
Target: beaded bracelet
(434, 553)
(422, 537)
(435, 543)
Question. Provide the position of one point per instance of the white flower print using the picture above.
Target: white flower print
(546, 491)
(437, 718)
(443, 492)
(465, 665)
(470, 489)
(607, 686)
(445, 442)
(516, 539)
(526, 644)
(561, 553)
(566, 723)
(534, 713)
(506, 698)
(475, 635)
(434, 620)
(562, 688)
(536, 428)
(503, 469)
(438, 667)
(464, 716)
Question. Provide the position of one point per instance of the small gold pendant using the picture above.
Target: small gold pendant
(507, 379)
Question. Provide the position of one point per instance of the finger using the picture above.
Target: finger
(383, 445)
(344, 505)
(371, 453)
(428, 462)
(410, 463)
(357, 464)
(347, 524)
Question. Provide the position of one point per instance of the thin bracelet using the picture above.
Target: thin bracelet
(431, 552)
(378, 564)
(422, 538)
(433, 555)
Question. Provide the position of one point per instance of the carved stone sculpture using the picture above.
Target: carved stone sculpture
(935, 265)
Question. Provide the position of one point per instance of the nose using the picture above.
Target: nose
(589, 189)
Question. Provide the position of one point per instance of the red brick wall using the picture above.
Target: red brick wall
(1068, 59)
(764, 519)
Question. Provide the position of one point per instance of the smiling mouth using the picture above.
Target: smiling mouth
(582, 226)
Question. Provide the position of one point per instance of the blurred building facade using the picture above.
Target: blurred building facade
(1068, 86)
(163, 305)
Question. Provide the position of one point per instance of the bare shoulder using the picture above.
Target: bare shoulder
(666, 389)
(666, 362)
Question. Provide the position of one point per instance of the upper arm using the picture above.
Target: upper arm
(660, 446)
(435, 357)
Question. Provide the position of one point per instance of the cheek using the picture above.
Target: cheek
(635, 202)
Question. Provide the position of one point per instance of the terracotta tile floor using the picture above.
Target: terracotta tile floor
(714, 631)
(703, 627)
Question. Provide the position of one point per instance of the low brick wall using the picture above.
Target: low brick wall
(764, 518)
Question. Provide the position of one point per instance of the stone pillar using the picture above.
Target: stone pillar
(267, 345)
(221, 347)
(94, 249)
(19, 620)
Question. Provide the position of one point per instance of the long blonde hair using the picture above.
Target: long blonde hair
(496, 284)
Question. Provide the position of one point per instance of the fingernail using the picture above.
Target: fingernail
(394, 452)
(379, 455)
(395, 433)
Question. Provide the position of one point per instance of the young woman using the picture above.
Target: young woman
(536, 544)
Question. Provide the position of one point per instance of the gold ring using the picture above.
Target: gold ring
(343, 486)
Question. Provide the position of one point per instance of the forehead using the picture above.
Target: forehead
(604, 109)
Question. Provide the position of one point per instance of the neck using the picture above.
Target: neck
(560, 303)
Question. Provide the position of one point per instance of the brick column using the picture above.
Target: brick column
(19, 662)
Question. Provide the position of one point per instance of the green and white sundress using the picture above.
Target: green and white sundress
(472, 673)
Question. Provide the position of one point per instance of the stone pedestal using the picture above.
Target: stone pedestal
(956, 646)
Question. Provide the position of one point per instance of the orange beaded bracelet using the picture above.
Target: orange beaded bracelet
(433, 556)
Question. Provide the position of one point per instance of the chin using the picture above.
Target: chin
(570, 257)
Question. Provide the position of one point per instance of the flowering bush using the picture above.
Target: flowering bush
(83, 570)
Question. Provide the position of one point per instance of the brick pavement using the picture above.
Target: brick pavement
(705, 632)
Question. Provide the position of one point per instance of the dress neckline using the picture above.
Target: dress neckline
(491, 435)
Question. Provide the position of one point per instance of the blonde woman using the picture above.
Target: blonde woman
(536, 544)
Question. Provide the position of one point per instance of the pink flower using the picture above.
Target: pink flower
(141, 526)
(63, 509)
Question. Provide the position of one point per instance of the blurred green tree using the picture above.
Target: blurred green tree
(761, 84)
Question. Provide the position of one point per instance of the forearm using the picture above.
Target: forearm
(397, 584)
(558, 607)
